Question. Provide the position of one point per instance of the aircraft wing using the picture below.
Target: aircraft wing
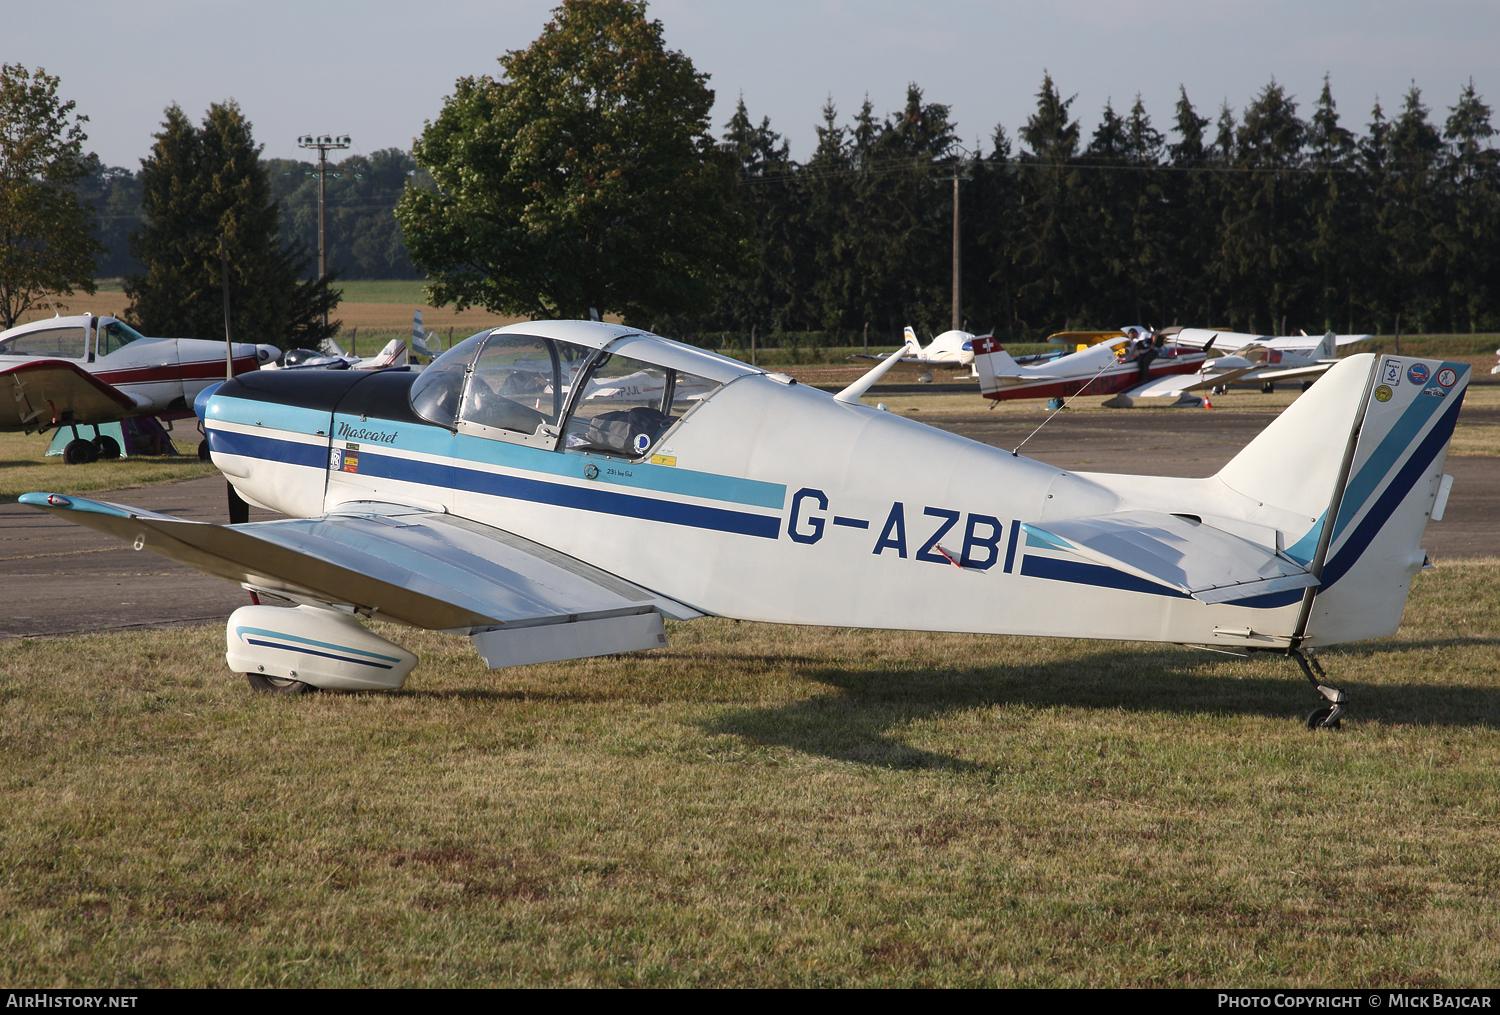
(423, 568)
(1315, 370)
(1179, 551)
(47, 390)
(1177, 384)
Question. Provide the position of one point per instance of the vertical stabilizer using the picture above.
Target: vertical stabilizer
(991, 361)
(1374, 546)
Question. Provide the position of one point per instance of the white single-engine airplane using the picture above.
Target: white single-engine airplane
(80, 370)
(951, 350)
(571, 529)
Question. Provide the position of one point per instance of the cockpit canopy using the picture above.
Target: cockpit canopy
(617, 397)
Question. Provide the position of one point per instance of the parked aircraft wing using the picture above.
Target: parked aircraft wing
(1179, 551)
(419, 567)
(1291, 373)
(48, 390)
(1177, 384)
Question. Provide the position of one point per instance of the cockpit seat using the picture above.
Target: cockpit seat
(621, 428)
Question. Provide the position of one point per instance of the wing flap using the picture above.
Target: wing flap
(49, 391)
(419, 567)
(1179, 551)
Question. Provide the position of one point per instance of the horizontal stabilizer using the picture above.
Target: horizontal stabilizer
(422, 568)
(1179, 551)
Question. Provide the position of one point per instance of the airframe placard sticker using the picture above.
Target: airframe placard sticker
(1383, 394)
(1417, 373)
(1392, 372)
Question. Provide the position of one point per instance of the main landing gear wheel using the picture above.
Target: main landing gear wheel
(203, 450)
(106, 447)
(79, 452)
(1328, 717)
(262, 684)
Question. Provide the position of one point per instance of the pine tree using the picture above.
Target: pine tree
(1473, 236)
(1052, 231)
(199, 185)
(1335, 202)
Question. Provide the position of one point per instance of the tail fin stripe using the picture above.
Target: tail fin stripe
(1385, 457)
(1370, 526)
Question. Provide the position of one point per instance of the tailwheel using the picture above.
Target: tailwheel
(1328, 717)
(263, 684)
(1321, 719)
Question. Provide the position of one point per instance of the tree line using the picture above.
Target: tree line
(586, 179)
(1264, 221)
(364, 241)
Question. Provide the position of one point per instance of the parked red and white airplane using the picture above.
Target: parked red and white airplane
(1112, 367)
(950, 350)
(82, 370)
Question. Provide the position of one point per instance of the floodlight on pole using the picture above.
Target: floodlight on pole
(323, 143)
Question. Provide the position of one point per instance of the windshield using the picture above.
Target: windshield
(436, 391)
(115, 335)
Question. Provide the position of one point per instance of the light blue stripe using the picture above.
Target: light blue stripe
(241, 631)
(1401, 438)
(252, 412)
(464, 448)
(1044, 539)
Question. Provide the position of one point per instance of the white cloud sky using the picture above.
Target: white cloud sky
(377, 69)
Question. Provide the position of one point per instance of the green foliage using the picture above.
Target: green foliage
(45, 244)
(115, 197)
(583, 178)
(1256, 222)
(201, 184)
(362, 236)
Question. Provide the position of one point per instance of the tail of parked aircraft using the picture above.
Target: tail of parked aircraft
(993, 364)
(393, 355)
(1364, 494)
(911, 339)
(1328, 348)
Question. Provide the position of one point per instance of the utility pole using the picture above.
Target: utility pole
(323, 145)
(957, 267)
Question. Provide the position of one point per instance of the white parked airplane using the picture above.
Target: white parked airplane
(436, 501)
(950, 350)
(80, 370)
(329, 355)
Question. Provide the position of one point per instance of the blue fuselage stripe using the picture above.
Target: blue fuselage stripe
(581, 498)
(304, 650)
(270, 449)
(1079, 573)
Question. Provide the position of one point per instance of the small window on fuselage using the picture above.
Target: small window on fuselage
(67, 343)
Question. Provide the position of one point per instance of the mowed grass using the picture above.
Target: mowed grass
(25, 467)
(761, 805)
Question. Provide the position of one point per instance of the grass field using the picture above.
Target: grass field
(24, 466)
(761, 805)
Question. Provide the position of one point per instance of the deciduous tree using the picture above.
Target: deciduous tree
(46, 245)
(583, 177)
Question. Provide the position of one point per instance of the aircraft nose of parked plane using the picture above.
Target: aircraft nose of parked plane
(200, 404)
